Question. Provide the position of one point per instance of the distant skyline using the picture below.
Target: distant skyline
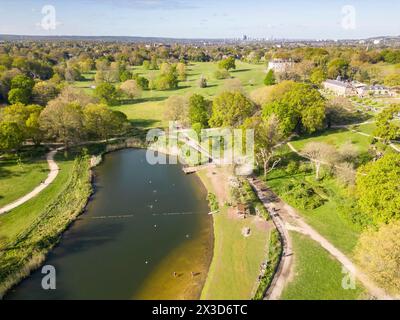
(293, 19)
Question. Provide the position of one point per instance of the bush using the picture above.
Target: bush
(274, 253)
(292, 167)
(305, 195)
(222, 74)
(213, 202)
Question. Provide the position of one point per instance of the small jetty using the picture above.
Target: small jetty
(190, 170)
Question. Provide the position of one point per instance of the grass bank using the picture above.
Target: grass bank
(317, 275)
(29, 232)
(19, 175)
(235, 267)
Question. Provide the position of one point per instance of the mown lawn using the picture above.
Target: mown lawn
(18, 178)
(318, 276)
(236, 262)
(19, 219)
(148, 111)
(337, 138)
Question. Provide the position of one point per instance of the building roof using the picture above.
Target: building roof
(338, 83)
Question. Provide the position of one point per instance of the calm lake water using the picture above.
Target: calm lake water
(144, 224)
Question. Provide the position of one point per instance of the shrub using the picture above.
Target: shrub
(292, 167)
(222, 74)
(213, 202)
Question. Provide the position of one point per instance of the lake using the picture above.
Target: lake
(146, 234)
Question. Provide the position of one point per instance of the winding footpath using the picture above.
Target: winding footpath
(288, 219)
(54, 170)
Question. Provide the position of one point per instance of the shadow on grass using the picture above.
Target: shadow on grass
(240, 70)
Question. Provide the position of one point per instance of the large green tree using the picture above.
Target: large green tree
(270, 79)
(11, 136)
(230, 109)
(227, 64)
(378, 188)
(199, 110)
(378, 253)
(300, 108)
(386, 128)
(107, 93)
(267, 136)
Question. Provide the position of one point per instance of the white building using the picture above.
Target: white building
(339, 88)
(280, 65)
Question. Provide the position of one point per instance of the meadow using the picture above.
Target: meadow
(148, 111)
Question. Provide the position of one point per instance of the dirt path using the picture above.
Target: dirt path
(285, 267)
(291, 220)
(54, 170)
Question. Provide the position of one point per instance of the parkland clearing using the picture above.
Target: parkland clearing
(318, 219)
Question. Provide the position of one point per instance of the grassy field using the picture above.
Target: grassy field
(30, 233)
(148, 111)
(236, 263)
(19, 219)
(318, 276)
(330, 218)
(18, 178)
(335, 137)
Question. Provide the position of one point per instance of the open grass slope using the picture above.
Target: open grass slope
(317, 275)
(30, 231)
(18, 178)
(148, 111)
(19, 219)
(330, 219)
(335, 137)
(235, 266)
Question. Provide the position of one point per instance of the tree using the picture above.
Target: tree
(167, 81)
(22, 82)
(199, 110)
(338, 67)
(177, 109)
(131, 89)
(318, 76)
(320, 153)
(101, 122)
(11, 136)
(270, 79)
(392, 80)
(378, 253)
(378, 186)
(338, 110)
(73, 95)
(386, 128)
(181, 70)
(142, 82)
(222, 74)
(202, 82)
(230, 109)
(301, 107)
(267, 135)
(18, 96)
(26, 118)
(43, 92)
(72, 74)
(107, 93)
(63, 122)
(227, 64)
(21, 89)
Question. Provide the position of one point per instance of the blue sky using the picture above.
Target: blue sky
(318, 19)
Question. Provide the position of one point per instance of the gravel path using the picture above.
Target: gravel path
(54, 170)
